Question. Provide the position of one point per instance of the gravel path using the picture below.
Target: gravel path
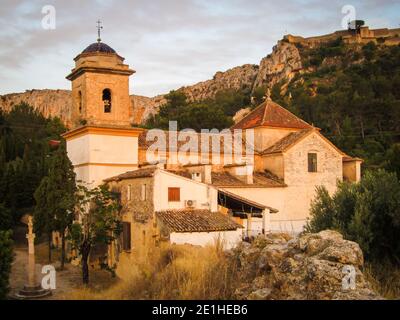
(67, 280)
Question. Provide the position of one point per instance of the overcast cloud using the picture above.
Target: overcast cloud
(170, 43)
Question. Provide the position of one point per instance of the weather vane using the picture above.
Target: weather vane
(99, 27)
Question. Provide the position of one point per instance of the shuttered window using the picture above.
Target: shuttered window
(312, 162)
(126, 236)
(174, 194)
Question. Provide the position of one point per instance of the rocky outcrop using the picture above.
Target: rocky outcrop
(144, 107)
(238, 78)
(312, 266)
(241, 114)
(282, 64)
(51, 103)
(58, 103)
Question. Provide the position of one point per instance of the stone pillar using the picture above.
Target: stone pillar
(31, 254)
(32, 290)
(266, 221)
(248, 224)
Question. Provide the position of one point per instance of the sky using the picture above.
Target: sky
(170, 43)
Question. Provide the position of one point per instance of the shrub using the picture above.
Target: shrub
(174, 272)
(6, 257)
(367, 212)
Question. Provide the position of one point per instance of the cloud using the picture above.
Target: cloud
(169, 42)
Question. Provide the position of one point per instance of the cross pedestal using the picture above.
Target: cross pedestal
(32, 289)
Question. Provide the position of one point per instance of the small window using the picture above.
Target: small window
(126, 236)
(196, 176)
(80, 101)
(144, 192)
(312, 162)
(129, 192)
(107, 100)
(174, 194)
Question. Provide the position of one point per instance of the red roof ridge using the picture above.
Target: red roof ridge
(271, 114)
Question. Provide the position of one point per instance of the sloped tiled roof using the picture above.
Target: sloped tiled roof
(140, 173)
(145, 144)
(225, 179)
(287, 141)
(271, 114)
(196, 221)
(260, 180)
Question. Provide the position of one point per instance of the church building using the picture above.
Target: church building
(194, 202)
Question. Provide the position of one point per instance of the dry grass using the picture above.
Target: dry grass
(385, 279)
(174, 272)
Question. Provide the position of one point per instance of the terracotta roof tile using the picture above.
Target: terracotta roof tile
(145, 144)
(260, 180)
(140, 173)
(196, 221)
(287, 141)
(271, 114)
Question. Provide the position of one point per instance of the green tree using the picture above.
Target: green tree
(5, 218)
(6, 258)
(44, 213)
(322, 212)
(207, 114)
(99, 222)
(62, 178)
(367, 212)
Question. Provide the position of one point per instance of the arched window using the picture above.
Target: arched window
(80, 101)
(107, 100)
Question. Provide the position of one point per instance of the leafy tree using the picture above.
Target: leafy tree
(367, 212)
(55, 199)
(322, 212)
(259, 95)
(99, 222)
(44, 213)
(24, 150)
(6, 258)
(207, 114)
(204, 116)
(231, 101)
(5, 217)
(393, 159)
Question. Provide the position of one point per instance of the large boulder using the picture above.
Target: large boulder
(310, 266)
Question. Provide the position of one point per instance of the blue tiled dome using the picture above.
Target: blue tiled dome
(99, 47)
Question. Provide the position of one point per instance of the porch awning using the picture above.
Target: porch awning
(241, 205)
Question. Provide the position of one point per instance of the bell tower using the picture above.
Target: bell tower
(101, 142)
(100, 87)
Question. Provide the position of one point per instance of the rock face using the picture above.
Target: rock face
(51, 103)
(58, 103)
(238, 78)
(282, 64)
(312, 266)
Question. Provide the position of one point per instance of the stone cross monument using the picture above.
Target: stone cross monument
(32, 290)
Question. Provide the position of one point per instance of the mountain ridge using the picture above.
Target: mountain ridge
(282, 65)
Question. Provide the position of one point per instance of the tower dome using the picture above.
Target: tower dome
(99, 47)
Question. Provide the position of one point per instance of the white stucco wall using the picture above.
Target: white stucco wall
(205, 196)
(98, 156)
(230, 239)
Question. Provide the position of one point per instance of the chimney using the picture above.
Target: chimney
(244, 172)
(207, 174)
